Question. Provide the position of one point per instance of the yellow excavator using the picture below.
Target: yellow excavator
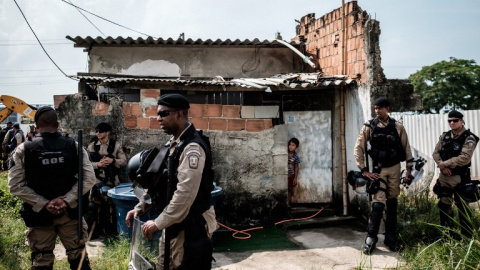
(13, 104)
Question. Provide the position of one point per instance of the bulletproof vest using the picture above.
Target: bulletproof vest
(13, 140)
(160, 186)
(202, 201)
(3, 133)
(51, 164)
(453, 147)
(109, 172)
(386, 147)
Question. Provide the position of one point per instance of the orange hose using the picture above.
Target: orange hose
(244, 232)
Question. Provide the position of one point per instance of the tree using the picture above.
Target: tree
(446, 85)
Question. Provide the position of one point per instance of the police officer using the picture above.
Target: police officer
(3, 151)
(107, 158)
(452, 155)
(16, 137)
(186, 215)
(388, 147)
(43, 174)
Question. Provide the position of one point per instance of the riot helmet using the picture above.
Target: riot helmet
(468, 191)
(357, 181)
(133, 166)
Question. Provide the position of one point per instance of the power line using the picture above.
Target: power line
(100, 17)
(88, 19)
(39, 40)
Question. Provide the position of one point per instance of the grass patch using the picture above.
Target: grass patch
(426, 244)
(270, 238)
(13, 252)
(431, 246)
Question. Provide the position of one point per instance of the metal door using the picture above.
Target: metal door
(313, 130)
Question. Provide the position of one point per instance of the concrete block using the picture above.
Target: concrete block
(154, 123)
(196, 110)
(151, 111)
(217, 124)
(248, 112)
(231, 111)
(255, 125)
(143, 122)
(57, 99)
(200, 123)
(149, 93)
(266, 111)
(236, 124)
(136, 109)
(126, 108)
(212, 110)
(130, 121)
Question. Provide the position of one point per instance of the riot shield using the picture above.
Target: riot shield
(143, 252)
(420, 179)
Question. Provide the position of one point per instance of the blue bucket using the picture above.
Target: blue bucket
(125, 200)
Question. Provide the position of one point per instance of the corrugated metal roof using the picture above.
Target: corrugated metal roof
(88, 41)
(292, 80)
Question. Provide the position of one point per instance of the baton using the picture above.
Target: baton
(80, 183)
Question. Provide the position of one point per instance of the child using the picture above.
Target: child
(293, 161)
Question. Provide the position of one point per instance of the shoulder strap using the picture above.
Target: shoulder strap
(111, 146)
(96, 147)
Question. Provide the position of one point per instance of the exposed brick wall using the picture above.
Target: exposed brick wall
(204, 116)
(324, 41)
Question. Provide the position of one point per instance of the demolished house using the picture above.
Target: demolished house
(250, 97)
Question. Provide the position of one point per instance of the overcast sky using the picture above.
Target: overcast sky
(415, 33)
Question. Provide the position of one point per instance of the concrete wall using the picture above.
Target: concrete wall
(249, 163)
(194, 61)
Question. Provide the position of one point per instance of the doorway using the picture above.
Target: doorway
(313, 130)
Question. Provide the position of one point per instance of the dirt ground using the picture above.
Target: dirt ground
(319, 248)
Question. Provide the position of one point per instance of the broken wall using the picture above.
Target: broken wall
(249, 154)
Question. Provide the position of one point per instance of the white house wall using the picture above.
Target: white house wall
(194, 62)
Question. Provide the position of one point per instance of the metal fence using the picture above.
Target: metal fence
(424, 132)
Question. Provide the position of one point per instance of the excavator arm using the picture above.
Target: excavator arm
(4, 113)
(13, 104)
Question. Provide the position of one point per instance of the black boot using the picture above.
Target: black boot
(446, 218)
(465, 217)
(76, 262)
(391, 226)
(373, 227)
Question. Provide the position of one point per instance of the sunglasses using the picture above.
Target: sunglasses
(453, 120)
(165, 113)
(99, 131)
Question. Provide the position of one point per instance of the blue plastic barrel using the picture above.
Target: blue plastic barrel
(125, 200)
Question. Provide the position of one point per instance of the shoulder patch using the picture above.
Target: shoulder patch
(193, 156)
(471, 142)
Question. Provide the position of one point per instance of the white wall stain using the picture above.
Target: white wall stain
(149, 67)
